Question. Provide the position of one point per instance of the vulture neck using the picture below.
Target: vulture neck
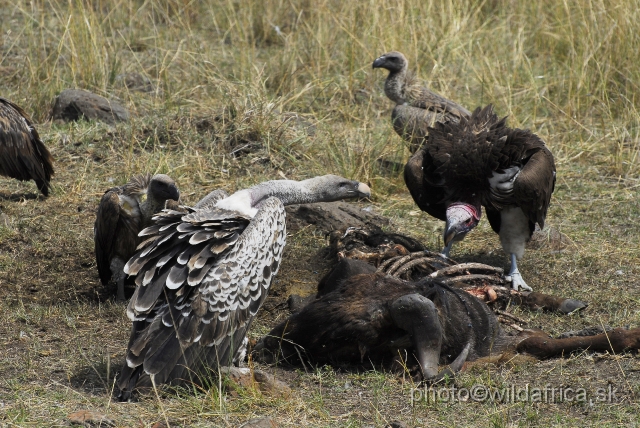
(395, 84)
(149, 207)
(289, 192)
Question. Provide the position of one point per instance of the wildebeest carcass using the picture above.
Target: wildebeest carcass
(363, 315)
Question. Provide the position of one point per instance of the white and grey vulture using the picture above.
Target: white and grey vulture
(22, 153)
(201, 278)
(123, 212)
(417, 107)
(481, 162)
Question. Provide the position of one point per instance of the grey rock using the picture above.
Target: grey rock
(328, 216)
(260, 423)
(75, 104)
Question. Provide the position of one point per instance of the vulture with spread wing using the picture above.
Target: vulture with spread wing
(202, 276)
(477, 162)
(417, 107)
(123, 212)
(22, 153)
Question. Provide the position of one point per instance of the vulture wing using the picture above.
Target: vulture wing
(534, 185)
(428, 197)
(201, 279)
(424, 108)
(423, 98)
(22, 154)
(115, 232)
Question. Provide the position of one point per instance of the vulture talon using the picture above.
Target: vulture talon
(517, 283)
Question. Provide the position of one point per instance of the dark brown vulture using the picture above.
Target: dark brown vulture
(22, 153)
(123, 212)
(201, 278)
(417, 107)
(481, 162)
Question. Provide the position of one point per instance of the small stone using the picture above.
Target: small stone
(90, 418)
(270, 385)
(242, 377)
(260, 423)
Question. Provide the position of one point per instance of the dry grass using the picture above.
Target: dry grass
(224, 75)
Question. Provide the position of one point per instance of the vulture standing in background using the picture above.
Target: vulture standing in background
(123, 212)
(477, 162)
(202, 276)
(22, 153)
(417, 107)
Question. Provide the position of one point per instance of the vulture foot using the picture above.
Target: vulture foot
(514, 277)
(517, 283)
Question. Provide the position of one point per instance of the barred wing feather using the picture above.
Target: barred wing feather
(201, 279)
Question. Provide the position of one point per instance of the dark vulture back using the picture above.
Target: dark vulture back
(459, 160)
(22, 154)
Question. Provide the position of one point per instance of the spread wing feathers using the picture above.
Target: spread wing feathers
(115, 232)
(201, 279)
(211, 199)
(22, 154)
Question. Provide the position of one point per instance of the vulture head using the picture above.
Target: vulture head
(329, 188)
(461, 218)
(162, 188)
(392, 61)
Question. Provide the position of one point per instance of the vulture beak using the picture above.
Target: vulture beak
(450, 232)
(363, 191)
(176, 194)
(379, 62)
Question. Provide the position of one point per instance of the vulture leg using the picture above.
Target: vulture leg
(514, 276)
(418, 316)
(118, 275)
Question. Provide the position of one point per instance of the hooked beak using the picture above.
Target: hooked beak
(450, 232)
(378, 62)
(175, 194)
(363, 191)
(455, 231)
